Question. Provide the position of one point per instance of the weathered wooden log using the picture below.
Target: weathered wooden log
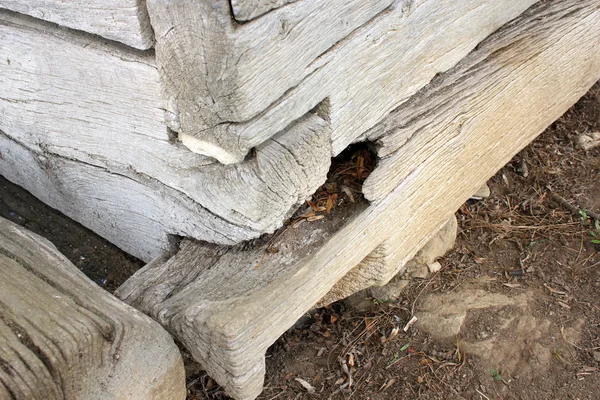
(63, 337)
(229, 87)
(508, 90)
(74, 108)
(82, 130)
(228, 305)
(125, 21)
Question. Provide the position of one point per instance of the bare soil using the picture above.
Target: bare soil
(513, 314)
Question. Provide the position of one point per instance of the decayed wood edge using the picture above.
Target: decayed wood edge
(381, 265)
(245, 10)
(216, 71)
(220, 93)
(124, 21)
(230, 337)
(62, 336)
(112, 107)
(401, 137)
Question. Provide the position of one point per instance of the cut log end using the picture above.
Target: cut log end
(62, 336)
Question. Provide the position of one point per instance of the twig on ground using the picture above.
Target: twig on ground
(562, 331)
(483, 395)
(574, 210)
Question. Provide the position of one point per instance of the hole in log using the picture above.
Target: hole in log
(343, 186)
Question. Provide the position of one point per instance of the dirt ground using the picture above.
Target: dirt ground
(514, 313)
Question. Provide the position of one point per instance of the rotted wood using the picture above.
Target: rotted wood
(227, 306)
(63, 337)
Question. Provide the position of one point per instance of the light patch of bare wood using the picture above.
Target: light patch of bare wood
(124, 21)
(495, 102)
(63, 337)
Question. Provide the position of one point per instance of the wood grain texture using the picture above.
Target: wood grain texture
(506, 90)
(228, 89)
(245, 10)
(70, 103)
(215, 71)
(63, 337)
(124, 21)
(227, 319)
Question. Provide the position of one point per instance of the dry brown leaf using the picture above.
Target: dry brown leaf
(315, 218)
(308, 215)
(331, 200)
(360, 166)
(312, 205)
(387, 384)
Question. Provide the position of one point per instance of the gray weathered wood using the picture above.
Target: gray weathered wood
(487, 76)
(245, 10)
(227, 306)
(63, 337)
(216, 71)
(85, 118)
(230, 87)
(125, 21)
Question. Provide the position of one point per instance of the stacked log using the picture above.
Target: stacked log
(218, 136)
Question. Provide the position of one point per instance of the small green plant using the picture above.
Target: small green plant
(583, 215)
(495, 375)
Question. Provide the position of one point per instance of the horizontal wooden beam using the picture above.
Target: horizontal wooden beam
(228, 305)
(229, 87)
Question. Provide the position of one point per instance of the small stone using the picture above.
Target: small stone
(597, 356)
(588, 141)
(390, 292)
(434, 267)
(360, 301)
(417, 270)
(441, 243)
(481, 193)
